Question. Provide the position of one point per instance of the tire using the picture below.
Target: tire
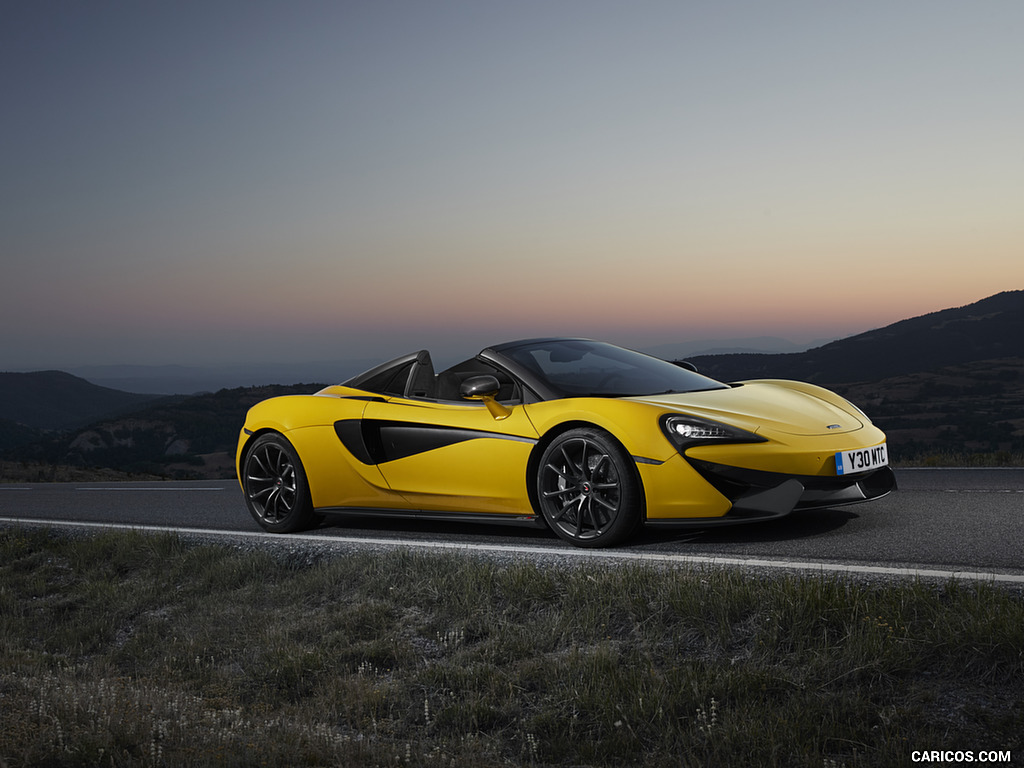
(587, 488)
(276, 490)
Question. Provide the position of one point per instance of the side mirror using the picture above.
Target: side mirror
(479, 387)
(685, 364)
(485, 388)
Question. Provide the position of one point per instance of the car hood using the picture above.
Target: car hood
(764, 407)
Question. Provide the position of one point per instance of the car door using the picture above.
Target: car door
(445, 455)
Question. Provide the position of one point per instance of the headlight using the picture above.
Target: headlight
(687, 431)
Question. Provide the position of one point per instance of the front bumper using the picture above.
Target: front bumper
(755, 493)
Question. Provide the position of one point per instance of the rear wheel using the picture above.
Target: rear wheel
(276, 490)
(587, 489)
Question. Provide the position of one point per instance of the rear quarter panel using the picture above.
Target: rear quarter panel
(336, 478)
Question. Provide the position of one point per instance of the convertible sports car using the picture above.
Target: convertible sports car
(585, 437)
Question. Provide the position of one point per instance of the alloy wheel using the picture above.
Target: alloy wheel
(580, 488)
(271, 482)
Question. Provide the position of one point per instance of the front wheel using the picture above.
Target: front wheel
(587, 490)
(275, 486)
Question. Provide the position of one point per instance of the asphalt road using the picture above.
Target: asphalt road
(963, 520)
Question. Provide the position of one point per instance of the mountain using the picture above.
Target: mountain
(58, 400)
(989, 329)
(174, 437)
(189, 380)
(755, 344)
(13, 434)
(950, 415)
(944, 386)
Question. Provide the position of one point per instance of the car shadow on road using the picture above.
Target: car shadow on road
(797, 525)
(369, 524)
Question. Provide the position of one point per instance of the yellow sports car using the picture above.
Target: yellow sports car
(585, 437)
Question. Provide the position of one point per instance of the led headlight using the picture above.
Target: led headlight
(687, 431)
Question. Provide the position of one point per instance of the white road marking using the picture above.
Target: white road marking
(984, 490)
(957, 469)
(148, 488)
(582, 554)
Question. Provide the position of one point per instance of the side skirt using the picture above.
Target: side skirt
(489, 518)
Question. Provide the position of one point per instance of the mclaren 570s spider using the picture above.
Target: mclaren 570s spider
(584, 437)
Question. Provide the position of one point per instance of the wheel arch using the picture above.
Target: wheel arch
(246, 445)
(279, 472)
(548, 437)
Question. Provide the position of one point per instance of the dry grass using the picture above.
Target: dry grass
(127, 650)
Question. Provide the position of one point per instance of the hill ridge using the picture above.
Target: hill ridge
(59, 400)
(988, 329)
(948, 380)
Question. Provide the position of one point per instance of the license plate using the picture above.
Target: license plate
(861, 459)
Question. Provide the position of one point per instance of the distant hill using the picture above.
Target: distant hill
(950, 383)
(174, 437)
(949, 414)
(13, 434)
(191, 380)
(989, 329)
(58, 400)
(754, 344)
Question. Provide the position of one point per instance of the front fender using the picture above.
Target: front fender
(633, 424)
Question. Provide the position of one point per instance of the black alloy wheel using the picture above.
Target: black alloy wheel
(587, 488)
(275, 486)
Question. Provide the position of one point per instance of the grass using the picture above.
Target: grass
(134, 650)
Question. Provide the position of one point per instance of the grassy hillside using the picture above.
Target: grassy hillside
(13, 434)
(183, 437)
(129, 650)
(957, 415)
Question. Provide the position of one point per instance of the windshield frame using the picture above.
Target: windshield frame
(547, 366)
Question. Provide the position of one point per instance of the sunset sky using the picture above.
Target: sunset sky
(202, 182)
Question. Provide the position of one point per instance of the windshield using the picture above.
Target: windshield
(582, 368)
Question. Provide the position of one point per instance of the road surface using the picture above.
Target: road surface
(955, 520)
